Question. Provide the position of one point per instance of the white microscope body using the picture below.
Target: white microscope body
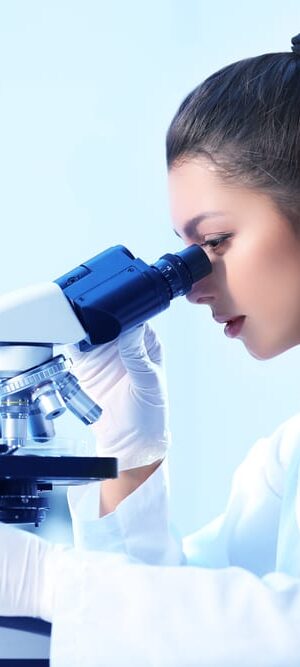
(32, 319)
(36, 387)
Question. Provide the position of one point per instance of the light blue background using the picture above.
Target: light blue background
(87, 92)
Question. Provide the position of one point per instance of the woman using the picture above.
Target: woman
(230, 594)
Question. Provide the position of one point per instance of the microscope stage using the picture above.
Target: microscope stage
(65, 470)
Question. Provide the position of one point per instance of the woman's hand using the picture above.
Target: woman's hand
(27, 573)
(126, 378)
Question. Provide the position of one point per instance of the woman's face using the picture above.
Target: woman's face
(255, 255)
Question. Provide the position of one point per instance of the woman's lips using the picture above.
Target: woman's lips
(233, 327)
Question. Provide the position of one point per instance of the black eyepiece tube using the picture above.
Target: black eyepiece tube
(183, 269)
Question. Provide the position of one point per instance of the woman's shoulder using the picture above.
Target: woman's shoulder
(273, 453)
(286, 440)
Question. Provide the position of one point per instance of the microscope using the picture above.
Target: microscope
(90, 305)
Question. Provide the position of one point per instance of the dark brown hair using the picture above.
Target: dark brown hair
(246, 118)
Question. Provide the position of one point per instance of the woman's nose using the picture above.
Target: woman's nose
(202, 291)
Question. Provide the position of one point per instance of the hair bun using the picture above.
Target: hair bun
(296, 44)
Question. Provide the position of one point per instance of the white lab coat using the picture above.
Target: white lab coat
(132, 595)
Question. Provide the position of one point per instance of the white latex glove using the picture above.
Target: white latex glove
(27, 573)
(126, 378)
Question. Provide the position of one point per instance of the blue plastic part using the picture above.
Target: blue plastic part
(113, 291)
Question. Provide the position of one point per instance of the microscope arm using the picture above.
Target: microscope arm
(38, 314)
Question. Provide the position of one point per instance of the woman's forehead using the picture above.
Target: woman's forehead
(196, 189)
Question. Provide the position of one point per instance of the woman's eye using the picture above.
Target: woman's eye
(216, 243)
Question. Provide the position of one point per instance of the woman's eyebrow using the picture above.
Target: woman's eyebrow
(189, 227)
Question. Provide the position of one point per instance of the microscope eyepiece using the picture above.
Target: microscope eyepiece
(196, 261)
(182, 269)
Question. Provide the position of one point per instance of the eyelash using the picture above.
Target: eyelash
(218, 241)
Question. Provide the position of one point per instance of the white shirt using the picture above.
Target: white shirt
(133, 595)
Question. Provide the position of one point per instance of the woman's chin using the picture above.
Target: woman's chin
(268, 350)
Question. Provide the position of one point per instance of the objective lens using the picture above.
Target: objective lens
(40, 427)
(77, 400)
(48, 401)
(14, 414)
